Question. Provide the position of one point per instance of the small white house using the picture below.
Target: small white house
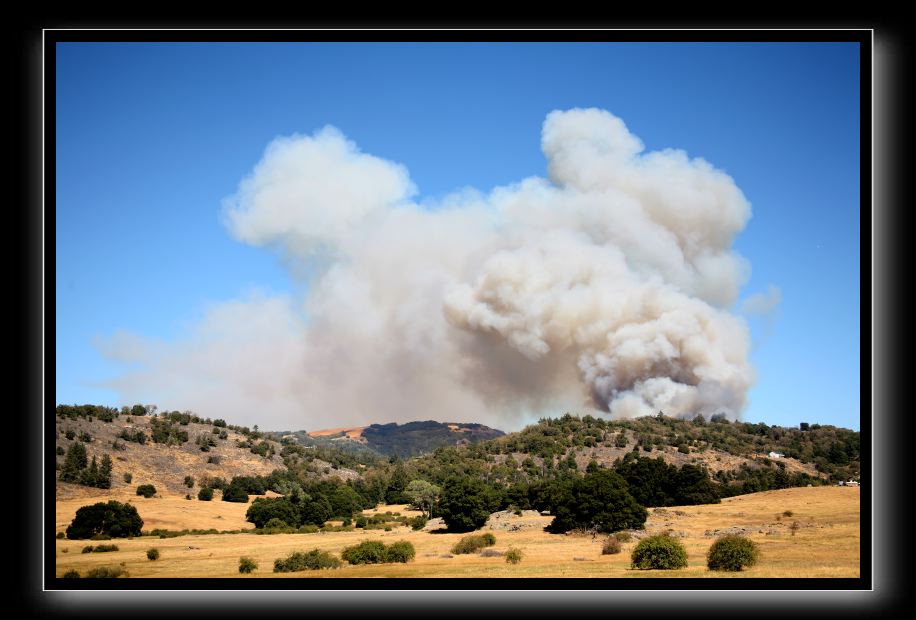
(776, 455)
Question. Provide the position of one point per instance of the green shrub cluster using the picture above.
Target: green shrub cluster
(247, 565)
(473, 543)
(375, 552)
(99, 548)
(513, 555)
(152, 554)
(146, 490)
(659, 552)
(105, 572)
(732, 553)
(611, 546)
(311, 560)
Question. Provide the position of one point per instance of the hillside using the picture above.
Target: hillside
(165, 465)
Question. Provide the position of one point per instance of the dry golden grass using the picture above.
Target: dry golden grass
(825, 545)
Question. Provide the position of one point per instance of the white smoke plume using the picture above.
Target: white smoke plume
(608, 286)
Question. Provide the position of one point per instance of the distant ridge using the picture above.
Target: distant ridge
(410, 439)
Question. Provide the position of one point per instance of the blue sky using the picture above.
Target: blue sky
(152, 137)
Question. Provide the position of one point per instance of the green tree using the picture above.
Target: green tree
(466, 503)
(599, 501)
(423, 495)
(104, 477)
(112, 519)
(74, 462)
(263, 510)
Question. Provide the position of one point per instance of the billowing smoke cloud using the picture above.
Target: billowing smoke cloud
(607, 286)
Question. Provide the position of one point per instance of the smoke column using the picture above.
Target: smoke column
(606, 286)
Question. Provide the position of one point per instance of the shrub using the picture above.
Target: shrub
(105, 572)
(366, 552)
(276, 523)
(418, 523)
(400, 551)
(152, 554)
(128, 477)
(205, 494)
(71, 574)
(308, 528)
(610, 546)
(61, 535)
(246, 564)
(660, 552)
(146, 490)
(87, 549)
(732, 553)
(189, 481)
(623, 536)
(473, 543)
(235, 493)
(60, 452)
(104, 548)
(490, 553)
(361, 521)
(215, 459)
(107, 518)
(312, 560)
(787, 513)
(513, 555)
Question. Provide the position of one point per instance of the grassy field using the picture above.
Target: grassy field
(824, 544)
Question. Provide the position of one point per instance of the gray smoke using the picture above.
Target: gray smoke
(607, 286)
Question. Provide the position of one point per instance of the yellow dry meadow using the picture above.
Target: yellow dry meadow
(825, 542)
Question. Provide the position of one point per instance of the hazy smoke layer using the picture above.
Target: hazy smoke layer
(606, 286)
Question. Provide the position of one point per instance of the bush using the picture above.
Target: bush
(490, 553)
(61, 535)
(732, 553)
(473, 543)
(611, 546)
(71, 574)
(623, 536)
(513, 555)
(308, 528)
(276, 523)
(128, 477)
(104, 548)
(189, 481)
(105, 572)
(107, 518)
(366, 552)
(418, 523)
(152, 554)
(205, 494)
(235, 493)
(659, 552)
(400, 551)
(312, 560)
(146, 490)
(246, 564)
